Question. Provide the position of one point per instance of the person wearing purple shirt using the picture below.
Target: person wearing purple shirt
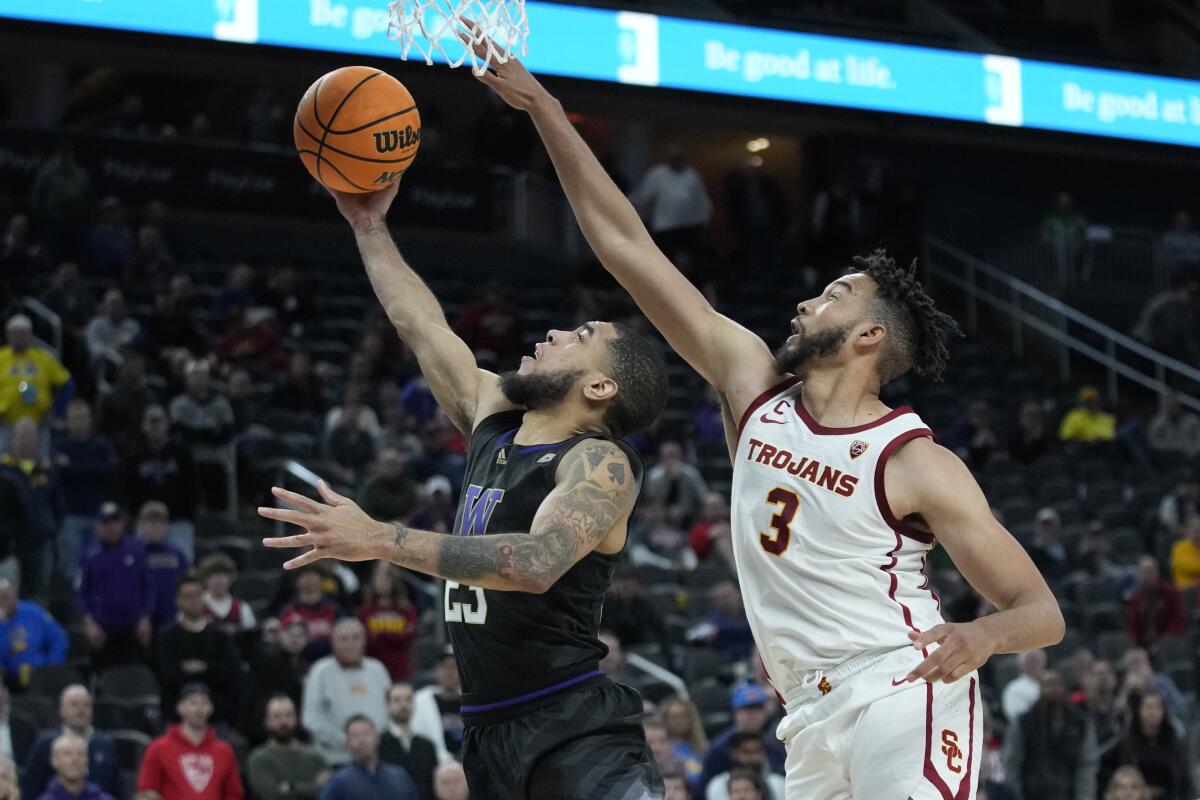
(116, 594)
(165, 560)
(70, 760)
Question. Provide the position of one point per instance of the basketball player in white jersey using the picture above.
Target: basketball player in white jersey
(837, 500)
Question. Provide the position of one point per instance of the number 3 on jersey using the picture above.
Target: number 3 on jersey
(788, 503)
(472, 613)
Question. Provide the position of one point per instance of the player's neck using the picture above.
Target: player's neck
(842, 397)
(548, 426)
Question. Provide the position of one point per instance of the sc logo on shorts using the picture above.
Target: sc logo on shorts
(951, 751)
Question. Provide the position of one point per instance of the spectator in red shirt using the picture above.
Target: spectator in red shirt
(390, 620)
(314, 609)
(492, 325)
(1155, 607)
(189, 762)
(710, 533)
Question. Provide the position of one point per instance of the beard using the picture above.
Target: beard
(538, 391)
(799, 355)
(283, 737)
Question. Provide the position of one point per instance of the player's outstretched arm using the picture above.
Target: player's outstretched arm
(594, 493)
(926, 479)
(721, 350)
(465, 392)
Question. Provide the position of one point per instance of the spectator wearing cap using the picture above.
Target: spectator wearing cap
(69, 757)
(203, 419)
(86, 463)
(75, 716)
(341, 685)
(165, 560)
(33, 382)
(29, 637)
(40, 499)
(435, 510)
(1185, 557)
(436, 714)
(1088, 422)
(112, 329)
(367, 777)
(116, 593)
(229, 614)
(388, 492)
(750, 715)
(1155, 607)
(1048, 551)
(390, 620)
(160, 468)
(191, 650)
(284, 768)
(189, 762)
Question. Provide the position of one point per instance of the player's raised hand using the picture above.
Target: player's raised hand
(515, 85)
(337, 528)
(365, 208)
(962, 647)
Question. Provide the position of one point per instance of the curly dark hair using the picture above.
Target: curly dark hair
(640, 371)
(916, 329)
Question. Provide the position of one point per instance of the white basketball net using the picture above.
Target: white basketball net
(435, 26)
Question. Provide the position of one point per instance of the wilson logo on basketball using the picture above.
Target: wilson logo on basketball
(857, 448)
(387, 141)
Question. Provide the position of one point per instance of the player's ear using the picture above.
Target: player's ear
(600, 388)
(871, 334)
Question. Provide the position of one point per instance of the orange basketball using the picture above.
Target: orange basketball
(357, 129)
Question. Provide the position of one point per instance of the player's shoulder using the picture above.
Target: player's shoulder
(923, 461)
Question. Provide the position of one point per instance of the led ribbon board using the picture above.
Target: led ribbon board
(738, 60)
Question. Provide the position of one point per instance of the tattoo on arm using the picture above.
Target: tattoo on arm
(592, 496)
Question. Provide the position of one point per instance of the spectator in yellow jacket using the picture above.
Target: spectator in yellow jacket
(1088, 422)
(1185, 556)
(31, 379)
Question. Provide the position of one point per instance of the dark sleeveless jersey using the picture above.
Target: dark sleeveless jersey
(512, 647)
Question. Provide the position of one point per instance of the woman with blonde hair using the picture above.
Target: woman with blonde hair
(686, 734)
(1127, 783)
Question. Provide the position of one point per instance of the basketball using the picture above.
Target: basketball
(357, 129)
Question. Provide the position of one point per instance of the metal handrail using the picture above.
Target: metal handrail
(643, 664)
(306, 476)
(49, 316)
(1022, 297)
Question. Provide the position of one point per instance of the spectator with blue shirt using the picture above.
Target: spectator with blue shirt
(165, 560)
(366, 777)
(29, 636)
(103, 764)
(116, 594)
(86, 463)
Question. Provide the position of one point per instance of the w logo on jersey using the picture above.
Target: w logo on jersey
(857, 448)
(478, 505)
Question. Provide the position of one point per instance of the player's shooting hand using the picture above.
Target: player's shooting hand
(510, 80)
(366, 208)
(337, 528)
(962, 647)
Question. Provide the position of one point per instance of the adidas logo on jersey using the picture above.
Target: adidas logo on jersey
(502, 455)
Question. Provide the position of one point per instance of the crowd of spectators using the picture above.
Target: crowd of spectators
(130, 453)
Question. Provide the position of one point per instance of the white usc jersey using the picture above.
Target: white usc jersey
(827, 572)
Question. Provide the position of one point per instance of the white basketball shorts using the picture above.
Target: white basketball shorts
(859, 732)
